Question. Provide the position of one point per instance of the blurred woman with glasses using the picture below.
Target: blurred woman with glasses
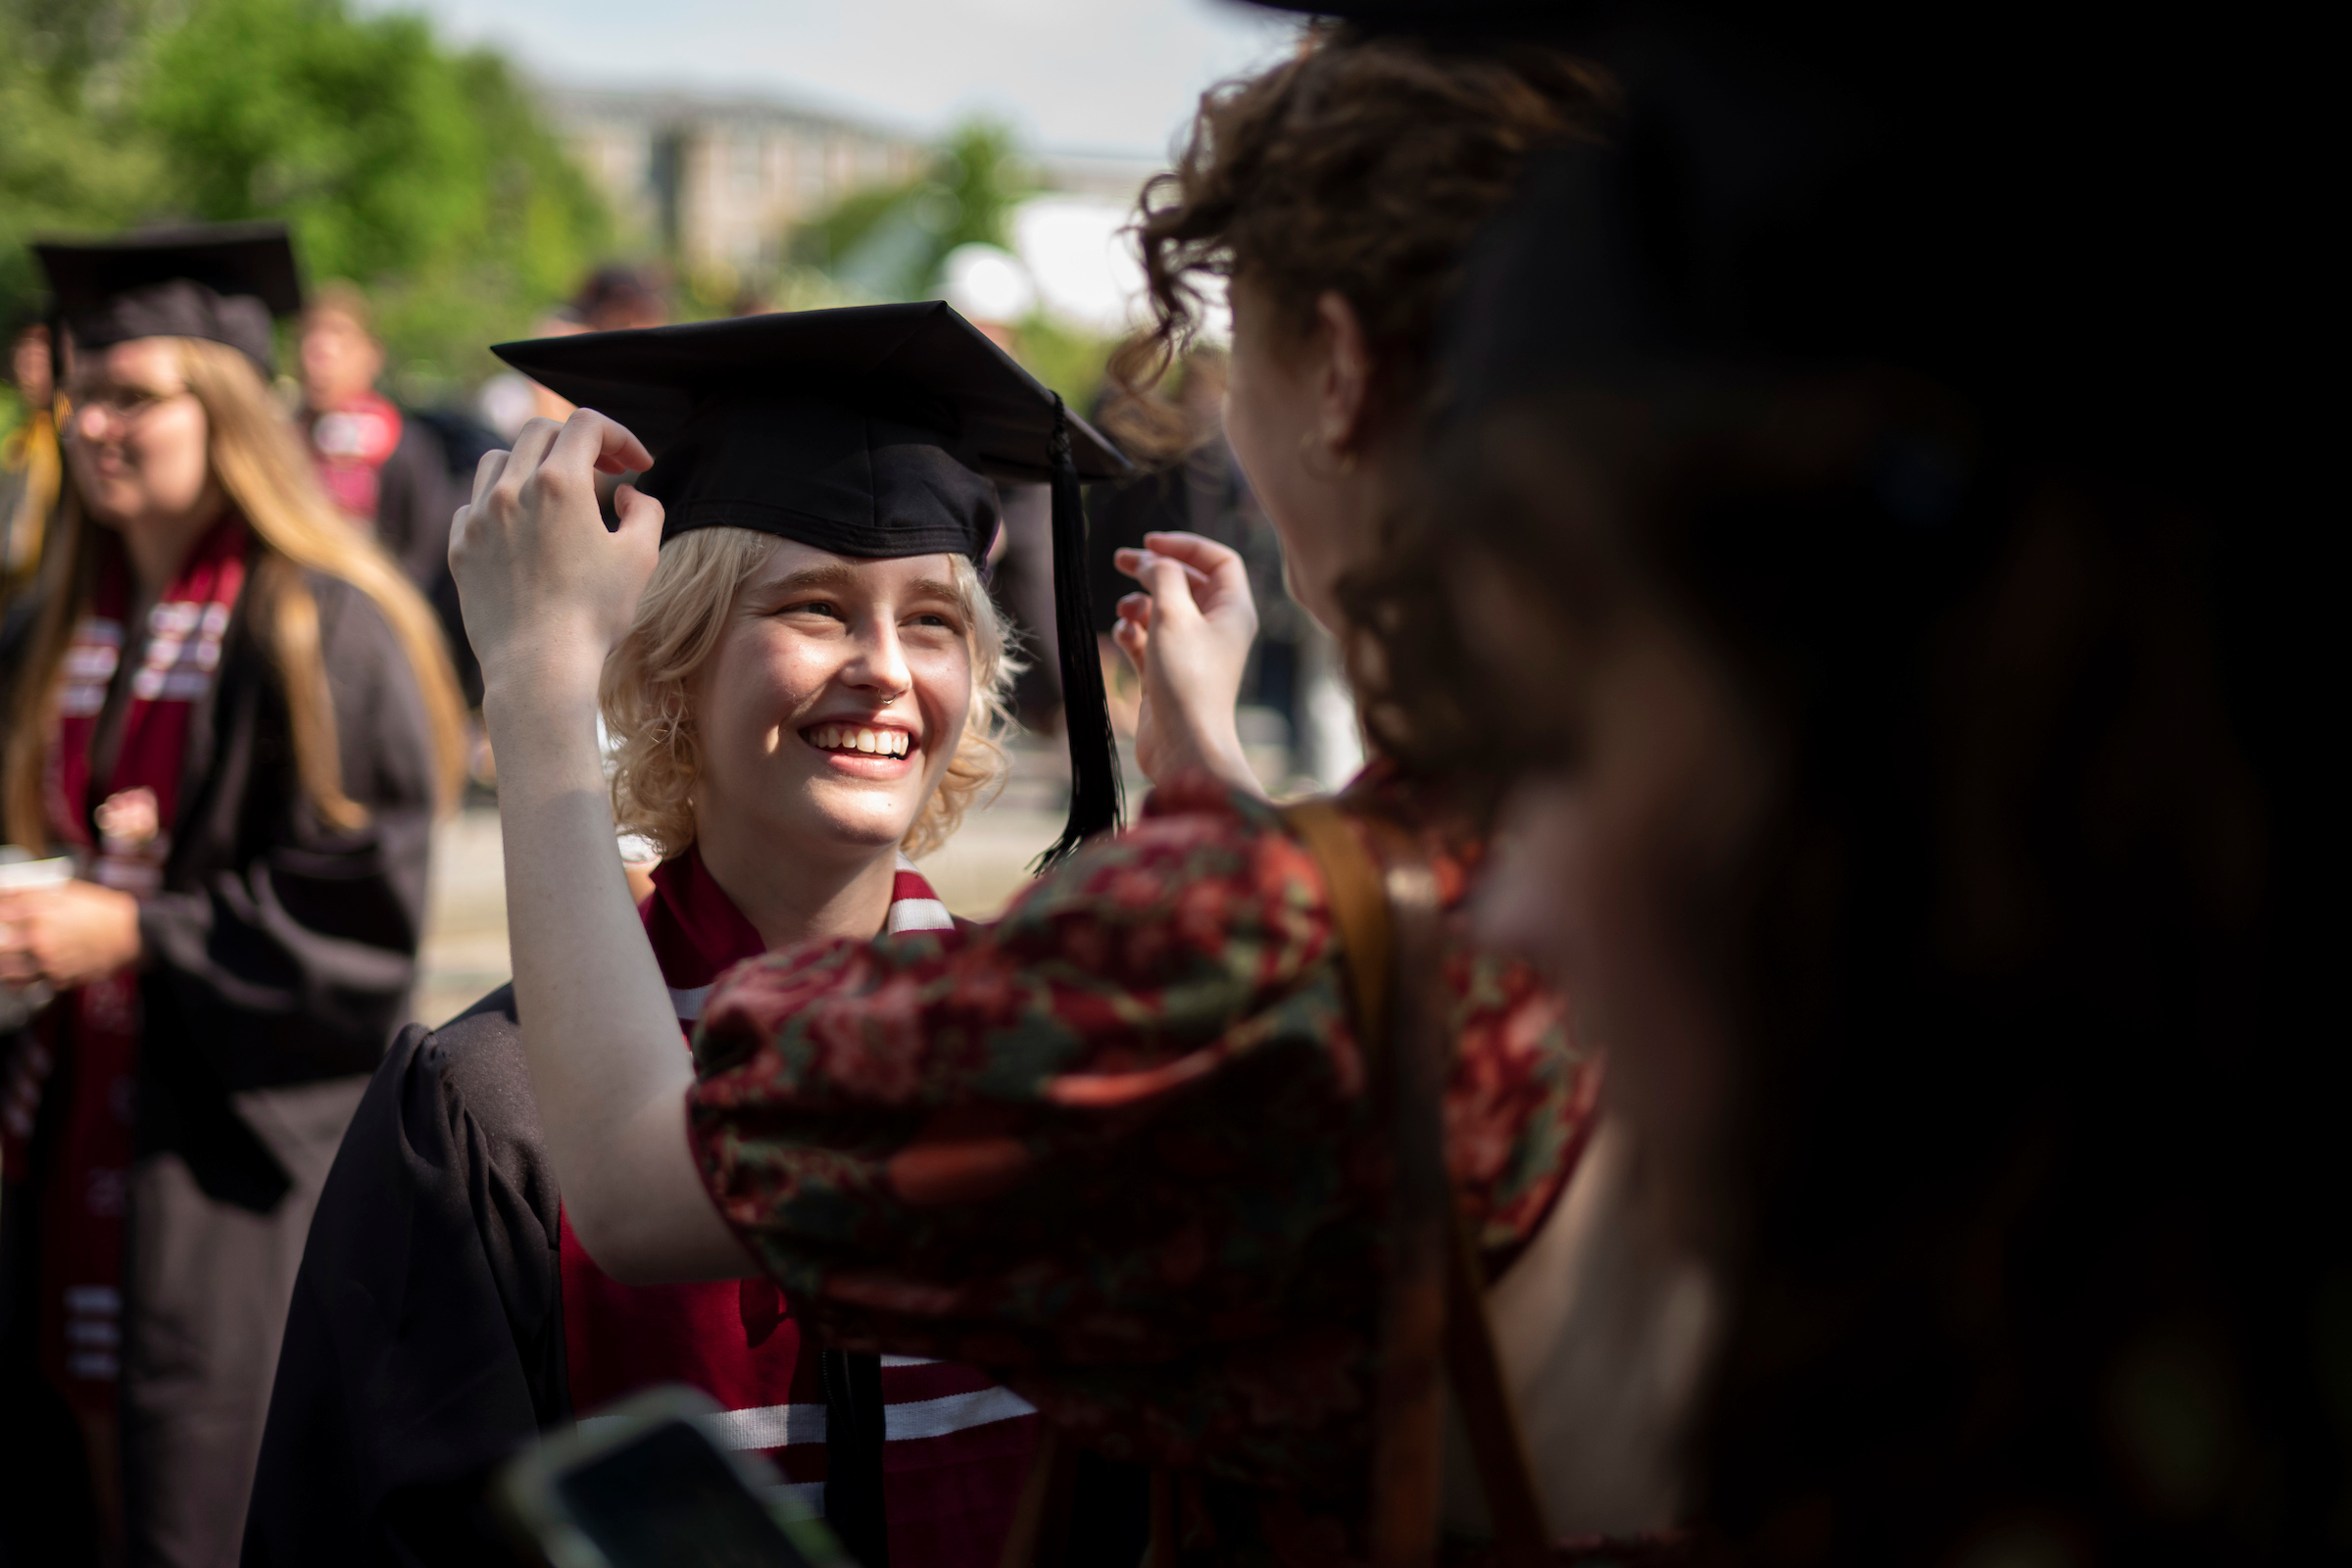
(234, 717)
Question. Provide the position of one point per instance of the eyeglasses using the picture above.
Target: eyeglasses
(123, 405)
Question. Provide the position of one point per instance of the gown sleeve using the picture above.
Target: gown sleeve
(289, 953)
(425, 1339)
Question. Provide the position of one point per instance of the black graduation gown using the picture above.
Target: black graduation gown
(414, 500)
(282, 952)
(425, 1339)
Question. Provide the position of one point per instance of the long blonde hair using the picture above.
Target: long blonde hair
(261, 465)
(650, 718)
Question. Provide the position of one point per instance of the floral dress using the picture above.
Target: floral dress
(1118, 1149)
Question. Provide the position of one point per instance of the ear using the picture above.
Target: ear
(1346, 390)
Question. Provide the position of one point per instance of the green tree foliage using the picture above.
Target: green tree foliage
(69, 157)
(1072, 361)
(887, 242)
(426, 176)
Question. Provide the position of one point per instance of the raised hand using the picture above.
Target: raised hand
(546, 590)
(1188, 634)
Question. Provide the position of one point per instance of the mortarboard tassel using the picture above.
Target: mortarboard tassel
(1095, 797)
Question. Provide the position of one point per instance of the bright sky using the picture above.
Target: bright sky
(1098, 76)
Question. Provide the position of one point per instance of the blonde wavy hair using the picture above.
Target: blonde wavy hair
(262, 466)
(649, 718)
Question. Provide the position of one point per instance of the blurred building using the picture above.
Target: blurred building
(1112, 178)
(718, 179)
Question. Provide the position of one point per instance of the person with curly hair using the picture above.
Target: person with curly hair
(1902, 664)
(1121, 1149)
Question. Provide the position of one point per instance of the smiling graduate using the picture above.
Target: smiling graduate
(811, 687)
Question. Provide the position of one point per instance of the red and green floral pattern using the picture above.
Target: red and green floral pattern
(1118, 1149)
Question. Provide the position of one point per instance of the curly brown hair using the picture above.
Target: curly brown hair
(1362, 165)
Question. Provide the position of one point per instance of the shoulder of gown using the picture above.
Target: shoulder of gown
(425, 1339)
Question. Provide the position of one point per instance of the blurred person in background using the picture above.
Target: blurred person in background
(612, 298)
(1200, 489)
(397, 472)
(991, 289)
(890, 668)
(1907, 662)
(509, 400)
(30, 467)
(384, 471)
(236, 716)
(615, 297)
(1118, 1149)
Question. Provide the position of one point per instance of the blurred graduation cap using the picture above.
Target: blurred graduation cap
(221, 282)
(869, 431)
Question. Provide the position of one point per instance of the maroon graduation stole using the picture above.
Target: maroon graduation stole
(957, 1444)
(715, 1334)
(122, 844)
(351, 445)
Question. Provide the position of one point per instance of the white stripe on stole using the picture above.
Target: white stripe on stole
(906, 914)
(916, 915)
(778, 1426)
(920, 914)
(955, 1412)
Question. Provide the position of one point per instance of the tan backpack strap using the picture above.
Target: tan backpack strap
(1489, 1417)
(1434, 1314)
(1359, 908)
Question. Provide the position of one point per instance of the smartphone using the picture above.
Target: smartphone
(654, 1484)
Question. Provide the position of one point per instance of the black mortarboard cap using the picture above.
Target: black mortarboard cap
(872, 431)
(221, 282)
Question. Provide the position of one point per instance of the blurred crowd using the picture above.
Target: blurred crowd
(1723, 965)
(398, 472)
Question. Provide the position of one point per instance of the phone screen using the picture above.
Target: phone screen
(668, 1499)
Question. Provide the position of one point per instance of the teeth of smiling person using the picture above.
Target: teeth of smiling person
(867, 742)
